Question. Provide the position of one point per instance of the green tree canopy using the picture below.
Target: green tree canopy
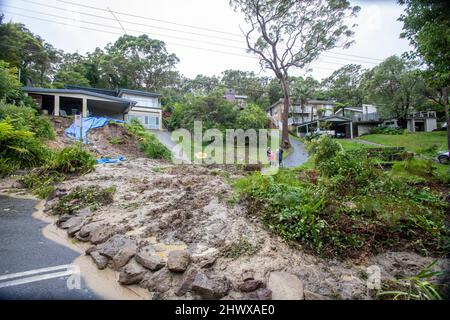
(35, 58)
(344, 85)
(9, 83)
(396, 86)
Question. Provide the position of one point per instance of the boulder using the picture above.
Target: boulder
(159, 281)
(85, 212)
(85, 232)
(285, 286)
(251, 285)
(71, 222)
(90, 249)
(114, 244)
(122, 257)
(150, 260)
(210, 288)
(102, 234)
(178, 260)
(99, 260)
(74, 229)
(260, 294)
(63, 218)
(132, 273)
(186, 282)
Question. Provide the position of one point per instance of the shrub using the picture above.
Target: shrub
(71, 159)
(418, 167)
(386, 130)
(27, 118)
(323, 148)
(92, 197)
(41, 182)
(148, 143)
(9, 83)
(19, 149)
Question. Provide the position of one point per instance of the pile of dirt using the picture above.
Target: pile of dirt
(112, 140)
(173, 230)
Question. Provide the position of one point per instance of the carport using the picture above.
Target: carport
(69, 102)
(336, 123)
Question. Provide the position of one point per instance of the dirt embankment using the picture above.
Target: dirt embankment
(111, 140)
(172, 230)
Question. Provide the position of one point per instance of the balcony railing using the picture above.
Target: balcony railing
(366, 117)
(423, 114)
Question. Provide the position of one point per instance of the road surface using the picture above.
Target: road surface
(23, 248)
(298, 155)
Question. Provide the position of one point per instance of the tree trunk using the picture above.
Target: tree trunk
(285, 114)
(447, 116)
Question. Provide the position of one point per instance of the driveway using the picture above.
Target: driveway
(165, 138)
(298, 155)
(32, 266)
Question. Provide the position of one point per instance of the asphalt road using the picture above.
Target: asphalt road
(24, 248)
(298, 155)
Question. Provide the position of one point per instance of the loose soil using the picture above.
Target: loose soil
(173, 207)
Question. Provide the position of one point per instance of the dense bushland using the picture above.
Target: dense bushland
(347, 205)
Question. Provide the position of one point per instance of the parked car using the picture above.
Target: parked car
(444, 157)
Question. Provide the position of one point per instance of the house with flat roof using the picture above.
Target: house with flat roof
(121, 104)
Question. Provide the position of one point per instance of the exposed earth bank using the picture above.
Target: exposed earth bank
(171, 229)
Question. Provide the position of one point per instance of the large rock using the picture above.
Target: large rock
(114, 244)
(132, 273)
(102, 234)
(285, 286)
(149, 259)
(210, 288)
(260, 294)
(122, 257)
(71, 222)
(186, 282)
(178, 260)
(74, 229)
(159, 281)
(99, 260)
(63, 218)
(251, 285)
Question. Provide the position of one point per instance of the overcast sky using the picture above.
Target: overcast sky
(185, 26)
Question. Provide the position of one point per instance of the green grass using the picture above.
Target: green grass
(414, 142)
(354, 145)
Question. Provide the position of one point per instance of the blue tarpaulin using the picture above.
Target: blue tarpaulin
(109, 160)
(88, 123)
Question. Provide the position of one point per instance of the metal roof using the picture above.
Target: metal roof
(139, 93)
(329, 118)
(77, 91)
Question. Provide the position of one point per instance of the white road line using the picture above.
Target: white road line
(37, 275)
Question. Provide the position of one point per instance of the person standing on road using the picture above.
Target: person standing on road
(280, 157)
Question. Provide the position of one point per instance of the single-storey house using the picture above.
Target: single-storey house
(122, 104)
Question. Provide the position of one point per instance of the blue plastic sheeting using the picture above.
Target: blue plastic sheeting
(109, 160)
(87, 124)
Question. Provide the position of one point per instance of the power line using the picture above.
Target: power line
(154, 34)
(189, 26)
(171, 43)
(125, 21)
(174, 30)
(114, 27)
(153, 19)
